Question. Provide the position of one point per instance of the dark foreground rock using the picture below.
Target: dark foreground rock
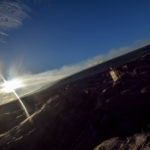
(82, 114)
(136, 142)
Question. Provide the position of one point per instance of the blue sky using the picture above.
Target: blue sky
(41, 35)
(43, 41)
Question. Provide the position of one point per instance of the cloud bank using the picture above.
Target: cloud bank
(34, 82)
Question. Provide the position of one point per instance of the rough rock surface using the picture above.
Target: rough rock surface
(136, 142)
(79, 115)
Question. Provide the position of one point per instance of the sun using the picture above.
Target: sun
(10, 86)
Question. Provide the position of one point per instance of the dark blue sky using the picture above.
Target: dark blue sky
(65, 32)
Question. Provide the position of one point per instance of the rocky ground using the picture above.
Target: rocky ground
(138, 141)
(90, 113)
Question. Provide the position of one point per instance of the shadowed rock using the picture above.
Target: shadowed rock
(81, 114)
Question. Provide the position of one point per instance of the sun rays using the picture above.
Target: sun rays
(10, 87)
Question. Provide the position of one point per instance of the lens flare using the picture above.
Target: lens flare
(10, 86)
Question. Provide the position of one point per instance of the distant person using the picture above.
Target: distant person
(115, 74)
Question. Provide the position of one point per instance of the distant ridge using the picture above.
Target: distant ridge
(36, 100)
(116, 62)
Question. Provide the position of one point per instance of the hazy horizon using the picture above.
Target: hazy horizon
(42, 41)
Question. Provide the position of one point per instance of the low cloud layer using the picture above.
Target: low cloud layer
(34, 82)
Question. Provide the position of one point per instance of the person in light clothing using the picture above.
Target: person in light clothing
(115, 74)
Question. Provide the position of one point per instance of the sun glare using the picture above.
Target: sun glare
(10, 86)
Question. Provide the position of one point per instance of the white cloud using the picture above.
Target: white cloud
(117, 52)
(12, 14)
(3, 34)
(34, 82)
(2, 41)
